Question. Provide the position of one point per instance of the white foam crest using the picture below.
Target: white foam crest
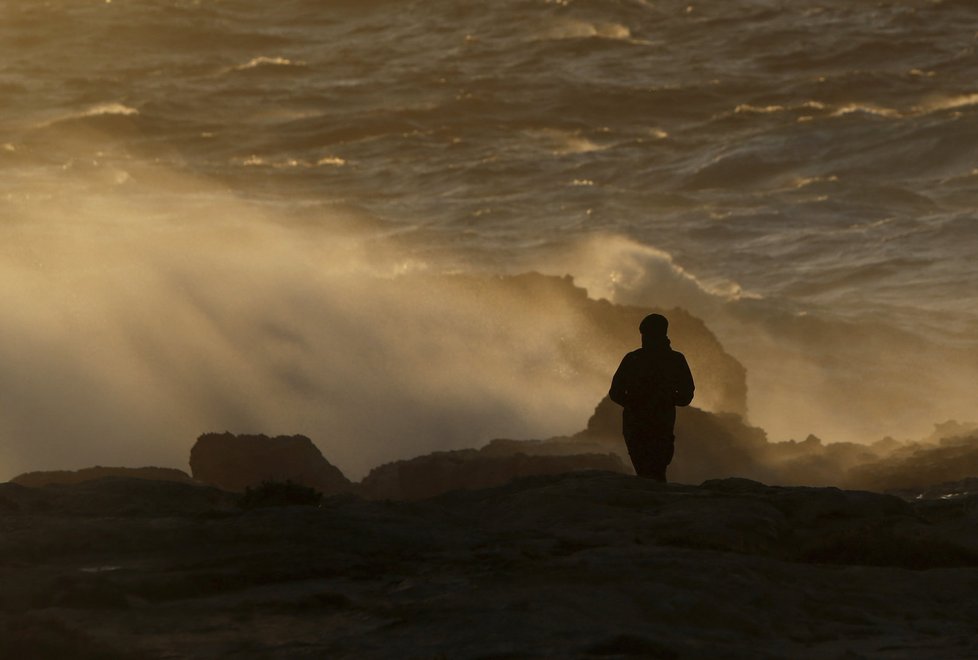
(745, 108)
(579, 145)
(264, 60)
(108, 109)
(865, 108)
(254, 160)
(834, 110)
(750, 108)
(812, 105)
(578, 29)
(564, 143)
(842, 110)
(804, 182)
(622, 270)
(948, 103)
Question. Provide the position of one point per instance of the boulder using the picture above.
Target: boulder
(467, 469)
(65, 477)
(111, 496)
(234, 462)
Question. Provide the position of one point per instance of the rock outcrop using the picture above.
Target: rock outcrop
(234, 462)
(38, 479)
(116, 496)
(468, 469)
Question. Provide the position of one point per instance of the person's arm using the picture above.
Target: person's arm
(619, 384)
(684, 386)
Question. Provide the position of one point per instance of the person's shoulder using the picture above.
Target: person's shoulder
(676, 355)
(631, 357)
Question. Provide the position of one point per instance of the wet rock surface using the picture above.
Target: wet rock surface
(586, 564)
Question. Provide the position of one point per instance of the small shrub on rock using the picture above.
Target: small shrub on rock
(279, 493)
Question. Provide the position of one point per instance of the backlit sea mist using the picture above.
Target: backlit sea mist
(253, 216)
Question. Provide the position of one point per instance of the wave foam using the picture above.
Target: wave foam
(564, 143)
(266, 61)
(109, 109)
(845, 109)
(577, 29)
(865, 108)
(949, 103)
(625, 271)
(289, 163)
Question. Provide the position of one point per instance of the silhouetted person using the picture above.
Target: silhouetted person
(649, 384)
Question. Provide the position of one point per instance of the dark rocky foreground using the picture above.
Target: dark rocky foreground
(588, 564)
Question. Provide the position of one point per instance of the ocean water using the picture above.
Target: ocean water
(202, 205)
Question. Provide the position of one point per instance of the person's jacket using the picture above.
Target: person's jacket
(650, 383)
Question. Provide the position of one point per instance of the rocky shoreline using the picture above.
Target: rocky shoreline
(583, 564)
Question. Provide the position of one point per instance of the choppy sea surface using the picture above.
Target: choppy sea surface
(175, 173)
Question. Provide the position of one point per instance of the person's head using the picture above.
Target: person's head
(653, 326)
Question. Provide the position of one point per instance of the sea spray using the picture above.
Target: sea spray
(132, 330)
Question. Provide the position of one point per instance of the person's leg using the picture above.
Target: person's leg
(661, 450)
(650, 451)
(646, 455)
